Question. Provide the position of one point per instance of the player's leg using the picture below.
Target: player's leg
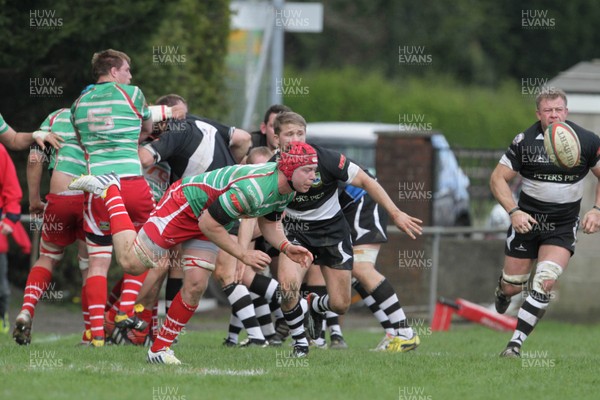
(512, 281)
(146, 300)
(238, 297)
(107, 187)
(262, 290)
(96, 287)
(233, 331)
(268, 289)
(336, 266)
(385, 297)
(62, 223)
(83, 261)
(315, 283)
(369, 301)
(139, 203)
(290, 278)
(552, 261)
(198, 263)
(174, 278)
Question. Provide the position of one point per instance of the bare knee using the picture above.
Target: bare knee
(339, 305)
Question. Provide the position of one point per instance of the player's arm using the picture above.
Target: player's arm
(212, 223)
(35, 167)
(499, 185)
(408, 224)
(272, 231)
(22, 140)
(591, 219)
(240, 144)
(244, 237)
(147, 127)
(147, 156)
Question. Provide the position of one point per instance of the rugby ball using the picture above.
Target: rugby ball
(562, 145)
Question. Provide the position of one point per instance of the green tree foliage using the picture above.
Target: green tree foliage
(55, 40)
(469, 116)
(47, 46)
(186, 53)
(478, 42)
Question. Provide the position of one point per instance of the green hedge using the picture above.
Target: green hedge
(469, 116)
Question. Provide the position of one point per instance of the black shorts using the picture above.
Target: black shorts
(261, 244)
(367, 221)
(527, 245)
(329, 241)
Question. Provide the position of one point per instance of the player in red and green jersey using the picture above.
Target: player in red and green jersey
(110, 118)
(62, 216)
(201, 207)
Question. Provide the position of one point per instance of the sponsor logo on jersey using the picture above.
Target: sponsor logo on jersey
(236, 203)
(342, 161)
(317, 182)
(104, 225)
(519, 138)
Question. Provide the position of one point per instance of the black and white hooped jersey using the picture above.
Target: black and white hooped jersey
(193, 146)
(321, 201)
(548, 189)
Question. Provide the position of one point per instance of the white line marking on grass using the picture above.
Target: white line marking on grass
(232, 372)
(48, 339)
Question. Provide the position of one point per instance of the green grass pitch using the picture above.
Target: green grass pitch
(560, 361)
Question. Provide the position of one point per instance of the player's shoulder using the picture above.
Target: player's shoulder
(529, 135)
(258, 139)
(61, 112)
(581, 131)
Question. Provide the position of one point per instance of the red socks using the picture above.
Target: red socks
(95, 288)
(179, 314)
(38, 281)
(119, 218)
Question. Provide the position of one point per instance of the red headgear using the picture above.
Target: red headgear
(298, 154)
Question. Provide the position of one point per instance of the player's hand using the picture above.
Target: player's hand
(522, 222)
(178, 111)
(255, 259)
(408, 224)
(36, 207)
(5, 229)
(591, 221)
(300, 255)
(51, 138)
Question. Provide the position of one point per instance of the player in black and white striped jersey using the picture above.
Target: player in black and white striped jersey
(544, 223)
(315, 219)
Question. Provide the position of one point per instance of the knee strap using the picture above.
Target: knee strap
(545, 271)
(196, 262)
(516, 280)
(366, 255)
